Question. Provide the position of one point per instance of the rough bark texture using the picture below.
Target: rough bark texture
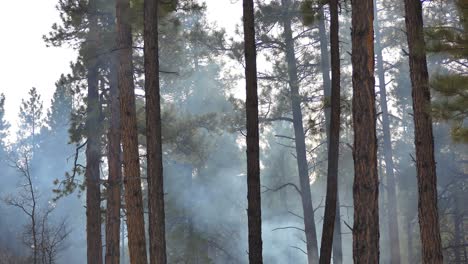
(131, 162)
(157, 233)
(254, 212)
(423, 137)
(309, 223)
(333, 145)
(93, 146)
(366, 182)
(388, 155)
(114, 181)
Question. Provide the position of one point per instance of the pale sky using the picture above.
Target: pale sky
(25, 61)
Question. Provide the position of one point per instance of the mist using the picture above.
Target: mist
(44, 150)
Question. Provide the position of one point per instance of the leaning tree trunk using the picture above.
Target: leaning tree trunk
(93, 146)
(309, 223)
(157, 233)
(423, 137)
(387, 151)
(366, 181)
(254, 212)
(331, 209)
(114, 181)
(131, 161)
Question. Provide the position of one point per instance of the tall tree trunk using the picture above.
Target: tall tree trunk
(131, 161)
(366, 181)
(93, 146)
(387, 151)
(409, 234)
(157, 232)
(457, 230)
(309, 223)
(331, 210)
(254, 212)
(190, 251)
(424, 140)
(337, 243)
(115, 169)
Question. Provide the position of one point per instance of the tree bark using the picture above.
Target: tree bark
(387, 151)
(115, 169)
(254, 212)
(424, 140)
(131, 162)
(93, 146)
(308, 211)
(331, 209)
(366, 182)
(157, 233)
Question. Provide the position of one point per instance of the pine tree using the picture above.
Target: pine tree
(451, 87)
(299, 135)
(31, 121)
(254, 212)
(366, 181)
(157, 234)
(331, 209)
(387, 148)
(58, 115)
(93, 143)
(114, 181)
(423, 136)
(131, 161)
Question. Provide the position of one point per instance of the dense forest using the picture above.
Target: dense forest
(317, 131)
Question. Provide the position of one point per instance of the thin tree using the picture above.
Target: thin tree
(387, 150)
(254, 212)
(327, 90)
(157, 233)
(131, 162)
(299, 136)
(366, 182)
(333, 141)
(31, 119)
(114, 182)
(26, 199)
(93, 146)
(423, 137)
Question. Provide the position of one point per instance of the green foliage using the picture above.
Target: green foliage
(451, 97)
(451, 103)
(58, 116)
(31, 121)
(309, 10)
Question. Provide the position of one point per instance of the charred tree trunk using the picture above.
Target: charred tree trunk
(309, 223)
(387, 151)
(331, 209)
(254, 212)
(131, 161)
(157, 232)
(115, 169)
(93, 146)
(424, 140)
(366, 181)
